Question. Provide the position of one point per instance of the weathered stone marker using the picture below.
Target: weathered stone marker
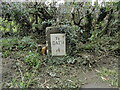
(58, 44)
(56, 41)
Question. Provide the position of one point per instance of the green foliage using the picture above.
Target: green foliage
(9, 43)
(28, 17)
(17, 13)
(15, 44)
(62, 60)
(28, 42)
(110, 76)
(72, 38)
(6, 54)
(18, 43)
(7, 26)
(33, 59)
(88, 35)
(26, 81)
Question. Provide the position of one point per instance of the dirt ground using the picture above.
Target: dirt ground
(64, 75)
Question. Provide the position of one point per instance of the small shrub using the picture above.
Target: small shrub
(33, 59)
(6, 54)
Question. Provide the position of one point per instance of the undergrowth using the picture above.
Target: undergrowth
(110, 76)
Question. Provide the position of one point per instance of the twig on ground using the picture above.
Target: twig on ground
(21, 74)
(45, 82)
